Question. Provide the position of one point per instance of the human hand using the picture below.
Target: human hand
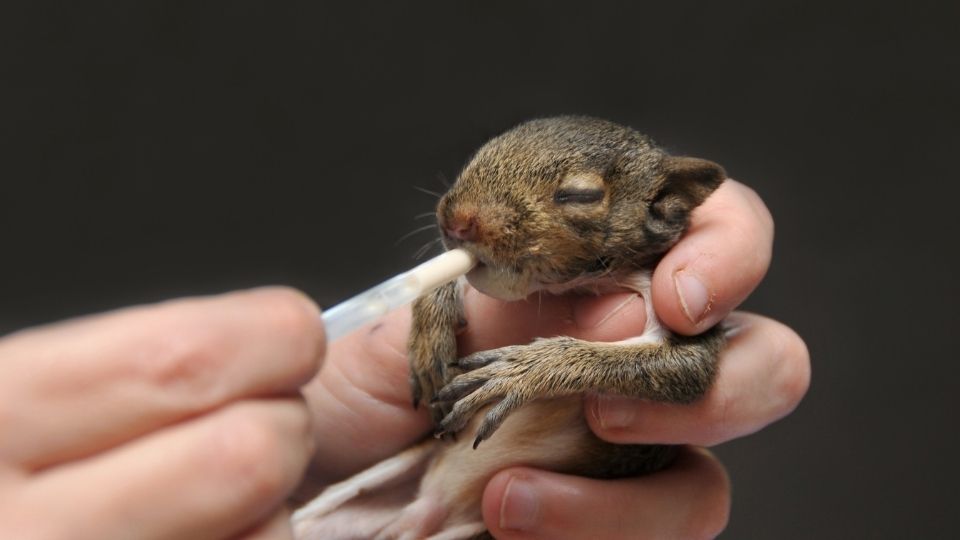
(362, 393)
(763, 374)
(178, 420)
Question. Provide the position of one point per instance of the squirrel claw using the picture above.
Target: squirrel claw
(495, 417)
(416, 391)
(481, 359)
(444, 435)
(458, 388)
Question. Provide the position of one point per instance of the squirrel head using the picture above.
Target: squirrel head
(557, 200)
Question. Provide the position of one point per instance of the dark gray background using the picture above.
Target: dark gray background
(159, 149)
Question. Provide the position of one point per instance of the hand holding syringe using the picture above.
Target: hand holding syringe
(395, 292)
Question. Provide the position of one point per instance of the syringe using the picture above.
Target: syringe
(373, 303)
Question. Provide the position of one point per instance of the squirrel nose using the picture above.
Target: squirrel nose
(463, 228)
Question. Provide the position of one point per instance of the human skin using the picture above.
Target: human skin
(763, 374)
(183, 419)
(179, 420)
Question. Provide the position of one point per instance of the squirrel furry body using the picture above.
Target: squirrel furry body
(553, 205)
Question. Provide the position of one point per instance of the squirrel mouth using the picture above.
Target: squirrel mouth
(498, 283)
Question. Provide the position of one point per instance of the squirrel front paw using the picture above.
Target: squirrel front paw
(506, 378)
(429, 357)
(433, 345)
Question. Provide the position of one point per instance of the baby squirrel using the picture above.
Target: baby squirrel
(566, 204)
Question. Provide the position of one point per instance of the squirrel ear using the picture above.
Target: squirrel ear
(687, 182)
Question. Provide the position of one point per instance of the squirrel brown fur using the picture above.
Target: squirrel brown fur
(553, 205)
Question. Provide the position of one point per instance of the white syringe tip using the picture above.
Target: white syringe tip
(443, 268)
(396, 291)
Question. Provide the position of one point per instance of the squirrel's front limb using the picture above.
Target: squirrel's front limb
(677, 369)
(432, 345)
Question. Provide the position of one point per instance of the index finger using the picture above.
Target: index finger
(718, 263)
(75, 388)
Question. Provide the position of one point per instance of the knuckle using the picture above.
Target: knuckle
(185, 363)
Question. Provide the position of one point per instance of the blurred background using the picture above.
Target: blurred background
(158, 149)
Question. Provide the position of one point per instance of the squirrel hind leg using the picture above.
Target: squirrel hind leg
(387, 502)
(430, 518)
(365, 504)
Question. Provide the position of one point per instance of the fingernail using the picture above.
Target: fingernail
(520, 508)
(594, 312)
(614, 412)
(695, 299)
